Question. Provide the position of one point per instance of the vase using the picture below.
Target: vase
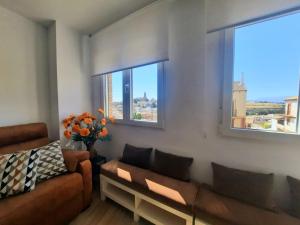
(90, 148)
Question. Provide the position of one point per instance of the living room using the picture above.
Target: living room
(152, 111)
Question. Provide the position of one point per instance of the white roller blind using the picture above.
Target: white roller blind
(224, 13)
(137, 39)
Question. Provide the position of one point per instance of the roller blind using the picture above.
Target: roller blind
(223, 13)
(137, 39)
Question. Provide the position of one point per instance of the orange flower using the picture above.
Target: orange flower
(112, 119)
(68, 120)
(101, 111)
(84, 132)
(83, 116)
(103, 122)
(76, 128)
(71, 117)
(66, 123)
(86, 114)
(103, 133)
(68, 134)
(88, 120)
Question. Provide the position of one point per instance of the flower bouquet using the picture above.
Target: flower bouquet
(87, 128)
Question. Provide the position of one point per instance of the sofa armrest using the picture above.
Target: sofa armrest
(72, 158)
(85, 168)
(80, 161)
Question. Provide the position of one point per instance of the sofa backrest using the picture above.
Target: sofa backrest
(23, 137)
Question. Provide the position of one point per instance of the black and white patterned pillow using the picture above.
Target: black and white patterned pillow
(51, 162)
(18, 172)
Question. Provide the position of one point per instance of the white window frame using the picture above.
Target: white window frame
(127, 97)
(226, 124)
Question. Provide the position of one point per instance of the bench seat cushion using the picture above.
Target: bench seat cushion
(182, 194)
(235, 212)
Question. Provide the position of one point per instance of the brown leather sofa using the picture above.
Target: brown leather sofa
(55, 201)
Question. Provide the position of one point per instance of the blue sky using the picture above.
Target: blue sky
(117, 87)
(268, 54)
(144, 80)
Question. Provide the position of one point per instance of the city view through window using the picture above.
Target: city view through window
(143, 88)
(266, 75)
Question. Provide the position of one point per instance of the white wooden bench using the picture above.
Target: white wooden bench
(142, 205)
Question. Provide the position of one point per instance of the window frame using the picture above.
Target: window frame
(127, 97)
(228, 73)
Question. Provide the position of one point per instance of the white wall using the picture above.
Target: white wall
(193, 100)
(70, 67)
(24, 92)
(54, 116)
(38, 85)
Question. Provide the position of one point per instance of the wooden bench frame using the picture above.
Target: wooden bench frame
(142, 205)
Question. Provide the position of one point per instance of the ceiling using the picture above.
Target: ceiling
(86, 16)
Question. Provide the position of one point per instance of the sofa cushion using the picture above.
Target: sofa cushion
(236, 212)
(18, 172)
(51, 161)
(21, 133)
(183, 193)
(250, 187)
(27, 145)
(72, 158)
(295, 195)
(137, 156)
(171, 165)
(23, 137)
(49, 196)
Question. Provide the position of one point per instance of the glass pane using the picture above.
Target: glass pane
(115, 94)
(144, 93)
(266, 75)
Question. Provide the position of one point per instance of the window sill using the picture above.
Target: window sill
(258, 134)
(140, 124)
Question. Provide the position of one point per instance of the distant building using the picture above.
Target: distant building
(239, 100)
(115, 108)
(291, 108)
(145, 97)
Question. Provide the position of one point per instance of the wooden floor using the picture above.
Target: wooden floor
(105, 213)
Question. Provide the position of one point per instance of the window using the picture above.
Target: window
(262, 68)
(134, 96)
(144, 92)
(115, 94)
